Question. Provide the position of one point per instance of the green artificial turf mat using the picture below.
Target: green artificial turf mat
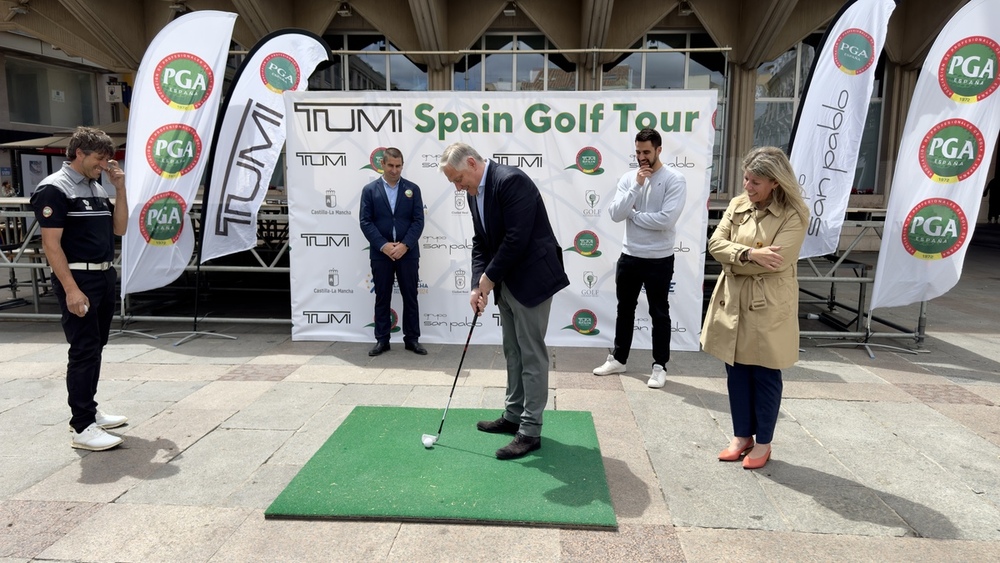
(374, 466)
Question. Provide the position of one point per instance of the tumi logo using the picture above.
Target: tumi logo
(525, 160)
(326, 239)
(322, 158)
(327, 317)
(333, 117)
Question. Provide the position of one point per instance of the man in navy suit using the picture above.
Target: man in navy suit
(515, 252)
(392, 219)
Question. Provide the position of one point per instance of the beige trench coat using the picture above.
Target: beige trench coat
(752, 318)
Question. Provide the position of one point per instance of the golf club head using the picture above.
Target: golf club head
(428, 440)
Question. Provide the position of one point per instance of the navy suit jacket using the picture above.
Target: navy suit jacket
(377, 218)
(518, 247)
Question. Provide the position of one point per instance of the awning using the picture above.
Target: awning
(116, 131)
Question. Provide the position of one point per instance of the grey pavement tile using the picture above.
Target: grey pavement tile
(159, 391)
(286, 406)
(181, 427)
(263, 486)
(228, 396)
(630, 543)
(905, 375)
(258, 540)
(28, 527)
(29, 351)
(845, 391)
(258, 372)
(407, 376)
(835, 508)
(984, 420)
(828, 371)
(290, 352)
(436, 397)
(427, 542)
(583, 380)
(209, 471)
(308, 439)
(372, 395)
(335, 373)
(15, 370)
(148, 533)
(482, 377)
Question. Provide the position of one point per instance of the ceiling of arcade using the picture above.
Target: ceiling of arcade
(115, 33)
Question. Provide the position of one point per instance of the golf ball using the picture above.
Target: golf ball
(428, 441)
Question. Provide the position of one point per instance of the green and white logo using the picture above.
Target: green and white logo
(161, 220)
(584, 322)
(393, 321)
(173, 150)
(375, 161)
(586, 244)
(183, 81)
(968, 71)
(279, 72)
(588, 161)
(936, 228)
(951, 151)
(854, 51)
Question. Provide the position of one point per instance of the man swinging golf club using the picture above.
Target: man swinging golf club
(515, 252)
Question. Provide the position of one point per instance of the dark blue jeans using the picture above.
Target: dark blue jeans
(754, 400)
(631, 274)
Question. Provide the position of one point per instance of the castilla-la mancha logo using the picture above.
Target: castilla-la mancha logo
(584, 322)
(173, 150)
(588, 161)
(375, 161)
(586, 244)
(951, 151)
(968, 71)
(936, 228)
(279, 72)
(161, 220)
(183, 81)
(854, 51)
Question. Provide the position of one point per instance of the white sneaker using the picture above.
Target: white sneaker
(94, 438)
(106, 421)
(610, 366)
(658, 378)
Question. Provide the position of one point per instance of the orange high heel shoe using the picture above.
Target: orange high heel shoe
(756, 462)
(729, 454)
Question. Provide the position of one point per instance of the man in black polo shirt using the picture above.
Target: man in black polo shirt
(79, 225)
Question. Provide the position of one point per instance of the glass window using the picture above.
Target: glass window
(367, 71)
(530, 66)
(776, 79)
(706, 70)
(624, 73)
(49, 95)
(499, 67)
(665, 70)
(772, 124)
(406, 75)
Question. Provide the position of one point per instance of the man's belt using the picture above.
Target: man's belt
(97, 266)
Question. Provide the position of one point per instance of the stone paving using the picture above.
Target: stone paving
(895, 458)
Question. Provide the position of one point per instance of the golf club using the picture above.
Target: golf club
(429, 439)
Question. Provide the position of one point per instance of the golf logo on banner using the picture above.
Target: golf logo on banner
(937, 187)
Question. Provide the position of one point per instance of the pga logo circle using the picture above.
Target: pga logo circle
(951, 151)
(854, 51)
(936, 228)
(279, 72)
(393, 322)
(161, 220)
(584, 322)
(183, 81)
(968, 71)
(588, 161)
(173, 150)
(375, 161)
(586, 244)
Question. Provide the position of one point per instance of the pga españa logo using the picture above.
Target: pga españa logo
(375, 160)
(588, 161)
(586, 244)
(584, 322)
(183, 81)
(173, 150)
(968, 71)
(161, 220)
(279, 72)
(936, 228)
(854, 51)
(951, 151)
(393, 322)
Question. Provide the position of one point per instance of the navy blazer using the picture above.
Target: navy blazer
(377, 218)
(518, 247)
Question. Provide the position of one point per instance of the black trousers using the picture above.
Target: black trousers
(631, 274)
(86, 336)
(405, 271)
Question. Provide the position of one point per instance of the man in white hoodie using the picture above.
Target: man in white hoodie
(650, 202)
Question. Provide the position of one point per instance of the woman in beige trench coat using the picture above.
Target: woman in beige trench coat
(752, 321)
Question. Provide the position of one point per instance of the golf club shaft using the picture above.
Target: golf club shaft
(460, 362)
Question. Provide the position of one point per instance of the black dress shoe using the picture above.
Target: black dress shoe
(416, 348)
(379, 348)
(498, 426)
(519, 447)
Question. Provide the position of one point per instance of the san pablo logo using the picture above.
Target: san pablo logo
(588, 161)
(161, 220)
(279, 72)
(936, 228)
(951, 151)
(584, 322)
(183, 81)
(393, 322)
(854, 51)
(173, 150)
(375, 161)
(586, 244)
(968, 71)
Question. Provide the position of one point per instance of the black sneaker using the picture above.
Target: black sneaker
(519, 447)
(498, 426)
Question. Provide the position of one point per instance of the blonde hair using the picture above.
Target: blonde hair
(771, 162)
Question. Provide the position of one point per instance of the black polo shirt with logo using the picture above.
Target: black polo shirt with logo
(79, 206)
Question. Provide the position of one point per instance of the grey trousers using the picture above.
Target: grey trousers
(527, 361)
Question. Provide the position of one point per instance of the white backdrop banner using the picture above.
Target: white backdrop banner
(574, 145)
